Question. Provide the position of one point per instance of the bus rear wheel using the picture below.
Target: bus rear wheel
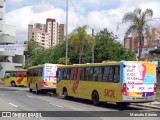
(65, 93)
(95, 98)
(13, 84)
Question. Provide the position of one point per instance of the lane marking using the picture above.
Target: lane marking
(56, 105)
(30, 96)
(13, 105)
(17, 91)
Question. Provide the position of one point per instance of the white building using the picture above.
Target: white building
(47, 35)
(8, 59)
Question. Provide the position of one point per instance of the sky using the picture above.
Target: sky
(97, 14)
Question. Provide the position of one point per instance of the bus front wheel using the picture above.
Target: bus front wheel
(95, 98)
(65, 93)
(37, 91)
(13, 84)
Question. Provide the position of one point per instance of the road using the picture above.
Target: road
(20, 99)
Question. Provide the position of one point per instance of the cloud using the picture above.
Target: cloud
(82, 12)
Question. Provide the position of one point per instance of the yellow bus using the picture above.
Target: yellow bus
(42, 78)
(122, 82)
(15, 78)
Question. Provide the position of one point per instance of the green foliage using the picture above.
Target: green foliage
(1, 67)
(63, 61)
(107, 48)
(78, 38)
(138, 21)
(30, 53)
(157, 51)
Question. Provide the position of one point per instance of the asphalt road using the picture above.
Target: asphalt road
(20, 99)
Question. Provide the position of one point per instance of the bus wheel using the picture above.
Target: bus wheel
(65, 94)
(37, 91)
(30, 89)
(95, 98)
(13, 84)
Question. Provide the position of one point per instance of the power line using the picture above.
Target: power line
(77, 12)
(80, 17)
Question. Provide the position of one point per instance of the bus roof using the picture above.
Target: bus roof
(105, 63)
(90, 64)
(16, 70)
(38, 66)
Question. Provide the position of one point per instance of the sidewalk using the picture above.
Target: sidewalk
(154, 105)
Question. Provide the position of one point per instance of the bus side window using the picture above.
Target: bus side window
(106, 73)
(100, 76)
(25, 74)
(90, 75)
(72, 73)
(97, 76)
(111, 74)
(64, 74)
(68, 73)
(13, 74)
(75, 74)
(58, 75)
(117, 74)
(82, 73)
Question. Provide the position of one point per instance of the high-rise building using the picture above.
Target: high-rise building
(61, 33)
(47, 35)
(155, 34)
(148, 43)
(8, 59)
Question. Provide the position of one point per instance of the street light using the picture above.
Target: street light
(66, 32)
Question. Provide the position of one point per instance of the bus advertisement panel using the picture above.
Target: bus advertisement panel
(49, 76)
(138, 81)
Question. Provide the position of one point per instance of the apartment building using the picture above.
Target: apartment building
(47, 35)
(8, 59)
(147, 43)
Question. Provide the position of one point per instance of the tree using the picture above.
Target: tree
(1, 67)
(138, 24)
(78, 38)
(30, 53)
(108, 48)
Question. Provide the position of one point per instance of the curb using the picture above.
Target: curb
(148, 106)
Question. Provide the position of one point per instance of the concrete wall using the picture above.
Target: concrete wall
(5, 65)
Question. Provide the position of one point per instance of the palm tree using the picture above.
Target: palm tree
(138, 24)
(78, 38)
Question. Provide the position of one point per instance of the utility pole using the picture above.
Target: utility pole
(92, 46)
(66, 32)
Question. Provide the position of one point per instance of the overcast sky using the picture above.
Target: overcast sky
(97, 14)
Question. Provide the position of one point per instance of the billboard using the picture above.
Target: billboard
(13, 47)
